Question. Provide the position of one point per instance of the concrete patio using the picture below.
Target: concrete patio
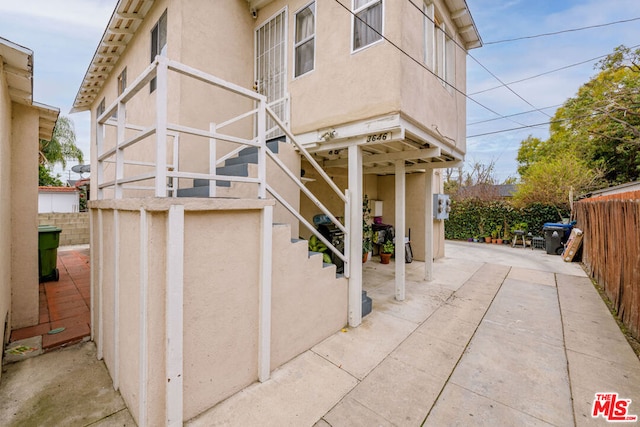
(502, 336)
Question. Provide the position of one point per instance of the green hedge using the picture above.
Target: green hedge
(471, 218)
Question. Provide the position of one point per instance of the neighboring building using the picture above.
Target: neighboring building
(23, 123)
(58, 199)
(177, 88)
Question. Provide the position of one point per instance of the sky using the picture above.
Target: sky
(64, 34)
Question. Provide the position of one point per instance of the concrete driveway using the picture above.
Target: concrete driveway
(502, 336)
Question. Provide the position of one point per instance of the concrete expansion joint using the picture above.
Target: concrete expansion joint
(466, 346)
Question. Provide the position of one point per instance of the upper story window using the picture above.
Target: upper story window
(305, 42)
(122, 81)
(439, 52)
(158, 42)
(100, 109)
(367, 22)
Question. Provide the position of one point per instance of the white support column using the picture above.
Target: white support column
(161, 128)
(400, 229)
(101, 235)
(143, 345)
(174, 316)
(212, 160)
(355, 236)
(347, 237)
(264, 349)
(116, 300)
(428, 226)
(92, 281)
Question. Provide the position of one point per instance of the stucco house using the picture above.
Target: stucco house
(221, 130)
(22, 123)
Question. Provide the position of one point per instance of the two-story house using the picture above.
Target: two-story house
(214, 120)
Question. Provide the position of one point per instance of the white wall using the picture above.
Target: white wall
(58, 202)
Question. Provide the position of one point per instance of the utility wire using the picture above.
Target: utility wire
(562, 31)
(512, 115)
(547, 72)
(479, 63)
(419, 63)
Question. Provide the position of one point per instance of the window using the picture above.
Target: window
(305, 43)
(439, 52)
(158, 42)
(122, 81)
(367, 22)
(100, 109)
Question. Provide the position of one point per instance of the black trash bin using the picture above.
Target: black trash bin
(555, 236)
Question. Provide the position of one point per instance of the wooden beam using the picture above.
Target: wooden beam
(417, 167)
(459, 13)
(425, 153)
(134, 16)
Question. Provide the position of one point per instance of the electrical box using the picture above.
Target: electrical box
(441, 206)
(377, 208)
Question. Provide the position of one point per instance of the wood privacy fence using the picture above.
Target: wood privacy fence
(611, 250)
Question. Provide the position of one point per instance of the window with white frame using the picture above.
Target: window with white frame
(439, 52)
(158, 42)
(367, 22)
(122, 81)
(305, 42)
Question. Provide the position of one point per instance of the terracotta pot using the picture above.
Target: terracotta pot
(487, 239)
(499, 241)
(385, 258)
(364, 257)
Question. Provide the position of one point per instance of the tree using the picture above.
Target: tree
(45, 178)
(62, 146)
(599, 129)
(553, 180)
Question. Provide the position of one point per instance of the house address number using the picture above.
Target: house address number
(379, 137)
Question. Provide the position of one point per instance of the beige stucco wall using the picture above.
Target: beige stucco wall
(5, 208)
(24, 215)
(221, 285)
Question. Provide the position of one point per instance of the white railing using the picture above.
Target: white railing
(162, 176)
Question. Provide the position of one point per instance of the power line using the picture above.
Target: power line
(420, 64)
(512, 115)
(479, 63)
(562, 31)
(546, 72)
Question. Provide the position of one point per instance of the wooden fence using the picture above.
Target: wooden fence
(611, 250)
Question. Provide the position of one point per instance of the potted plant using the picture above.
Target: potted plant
(386, 251)
(316, 245)
(498, 231)
(367, 230)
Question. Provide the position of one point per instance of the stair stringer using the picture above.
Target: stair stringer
(309, 303)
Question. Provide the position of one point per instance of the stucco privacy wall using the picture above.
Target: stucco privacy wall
(221, 290)
(24, 211)
(75, 226)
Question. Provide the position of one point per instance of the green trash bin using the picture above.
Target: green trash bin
(48, 242)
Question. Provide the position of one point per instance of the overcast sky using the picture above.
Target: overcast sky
(65, 33)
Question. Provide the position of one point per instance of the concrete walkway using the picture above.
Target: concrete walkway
(502, 337)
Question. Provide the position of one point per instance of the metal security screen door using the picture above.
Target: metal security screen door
(271, 68)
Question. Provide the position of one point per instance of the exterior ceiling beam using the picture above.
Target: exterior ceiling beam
(124, 15)
(425, 153)
(389, 170)
(19, 95)
(459, 13)
(18, 72)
